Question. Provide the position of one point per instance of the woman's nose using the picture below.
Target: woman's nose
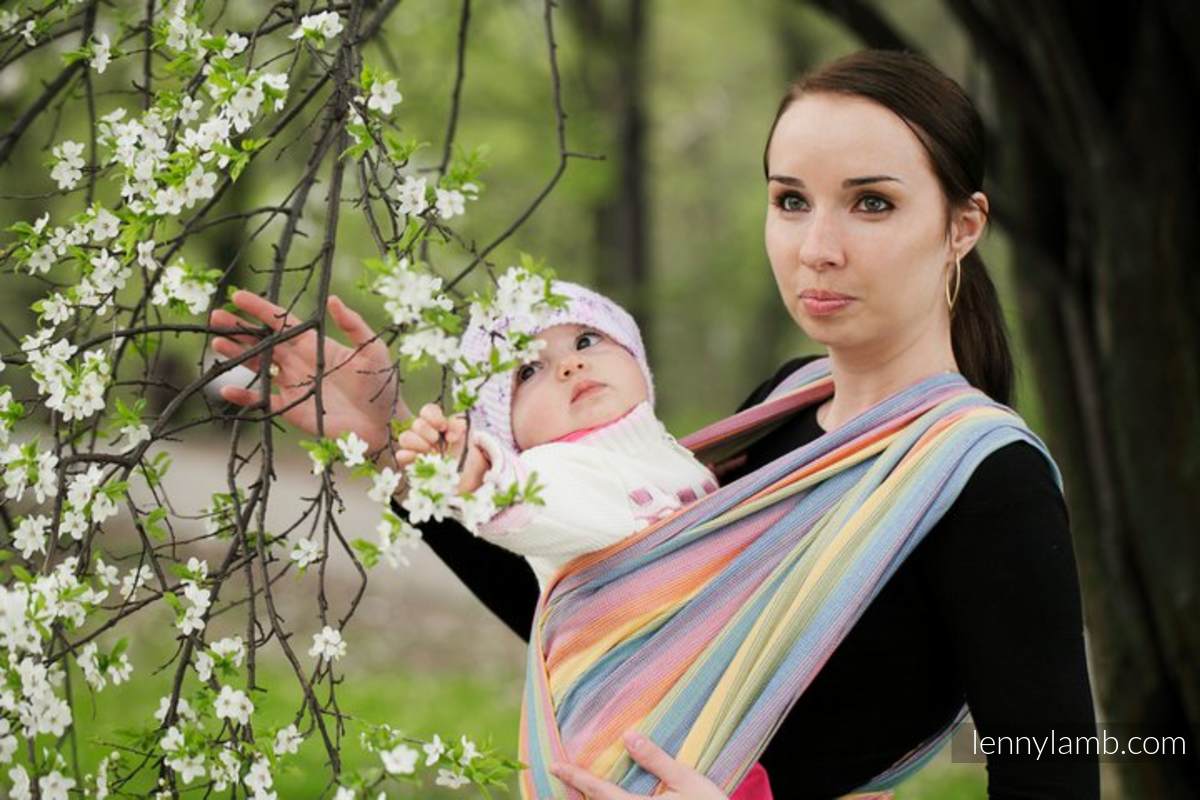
(569, 366)
(821, 243)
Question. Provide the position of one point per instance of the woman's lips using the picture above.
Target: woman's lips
(822, 307)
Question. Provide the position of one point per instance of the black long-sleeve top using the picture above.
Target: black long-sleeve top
(986, 609)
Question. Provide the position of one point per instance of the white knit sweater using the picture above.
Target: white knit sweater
(598, 489)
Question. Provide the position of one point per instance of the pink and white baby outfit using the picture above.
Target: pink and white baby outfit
(599, 486)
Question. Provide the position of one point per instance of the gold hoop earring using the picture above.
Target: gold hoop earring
(957, 284)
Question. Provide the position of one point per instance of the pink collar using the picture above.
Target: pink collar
(582, 432)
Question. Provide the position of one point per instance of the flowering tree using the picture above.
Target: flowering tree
(78, 444)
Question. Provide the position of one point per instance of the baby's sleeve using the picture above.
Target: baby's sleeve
(586, 504)
(505, 470)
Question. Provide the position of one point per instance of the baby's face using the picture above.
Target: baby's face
(580, 378)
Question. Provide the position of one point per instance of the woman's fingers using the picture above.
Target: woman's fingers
(350, 321)
(231, 350)
(658, 762)
(220, 318)
(595, 788)
(271, 315)
(248, 397)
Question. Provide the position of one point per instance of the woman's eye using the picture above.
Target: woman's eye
(884, 204)
(785, 201)
(585, 336)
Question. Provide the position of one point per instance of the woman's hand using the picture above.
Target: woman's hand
(683, 782)
(423, 436)
(359, 385)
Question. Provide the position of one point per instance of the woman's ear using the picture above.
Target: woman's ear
(969, 224)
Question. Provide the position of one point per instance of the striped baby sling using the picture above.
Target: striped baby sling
(703, 629)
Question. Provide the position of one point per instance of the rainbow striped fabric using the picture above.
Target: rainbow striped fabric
(702, 630)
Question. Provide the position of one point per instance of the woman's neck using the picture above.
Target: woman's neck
(861, 380)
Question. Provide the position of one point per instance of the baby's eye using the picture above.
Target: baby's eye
(588, 335)
(525, 372)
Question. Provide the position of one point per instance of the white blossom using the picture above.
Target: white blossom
(68, 166)
(433, 482)
(135, 435)
(231, 647)
(41, 260)
(287, 740)
(410, 196)
(383, 485)
(199, 185)
(182, 709)
(234, 44)
(328, 645)
(226, 771)
(450, 203)
(189, 109)
(173, 740)
(433, 342)
(55, 786)
(101, 52)
(306, 552)
(400, 760)
(434, 750)
(258, 778)
(448, 777)
(30, 535)
(470, 753)
(326, 25)
(352, 448)
(233, 704)
(20, 779)
(204, 666)
(133, 580)
(384, 95)
(188, 767)
(396, 535)
(8, 742)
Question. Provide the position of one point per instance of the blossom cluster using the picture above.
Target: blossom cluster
(118, 261)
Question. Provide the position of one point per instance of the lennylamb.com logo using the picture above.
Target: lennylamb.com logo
(1109, 742)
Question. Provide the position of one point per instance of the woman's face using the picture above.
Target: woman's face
(854, 208)
(581, 378)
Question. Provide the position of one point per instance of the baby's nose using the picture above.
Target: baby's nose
(569, 366)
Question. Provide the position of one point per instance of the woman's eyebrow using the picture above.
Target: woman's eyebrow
(846, 184)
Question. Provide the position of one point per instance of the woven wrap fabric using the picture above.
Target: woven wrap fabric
(702, 630)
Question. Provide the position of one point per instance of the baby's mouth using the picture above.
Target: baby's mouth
(585, 388)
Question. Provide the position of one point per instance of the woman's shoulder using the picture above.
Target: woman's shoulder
(764, 388)
(1013, 475)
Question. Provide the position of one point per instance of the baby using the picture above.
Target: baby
(582, 416)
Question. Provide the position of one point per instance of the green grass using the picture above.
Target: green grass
(419, 705)
(483, 703)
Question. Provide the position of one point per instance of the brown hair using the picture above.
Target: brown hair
(944, 119)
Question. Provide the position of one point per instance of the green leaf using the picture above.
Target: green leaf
(173, 601)
(369, 552)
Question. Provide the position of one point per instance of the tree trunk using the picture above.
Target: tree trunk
(613, 34)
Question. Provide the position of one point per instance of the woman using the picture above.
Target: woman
(874, 169)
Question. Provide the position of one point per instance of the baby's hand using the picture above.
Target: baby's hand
(423, 436)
